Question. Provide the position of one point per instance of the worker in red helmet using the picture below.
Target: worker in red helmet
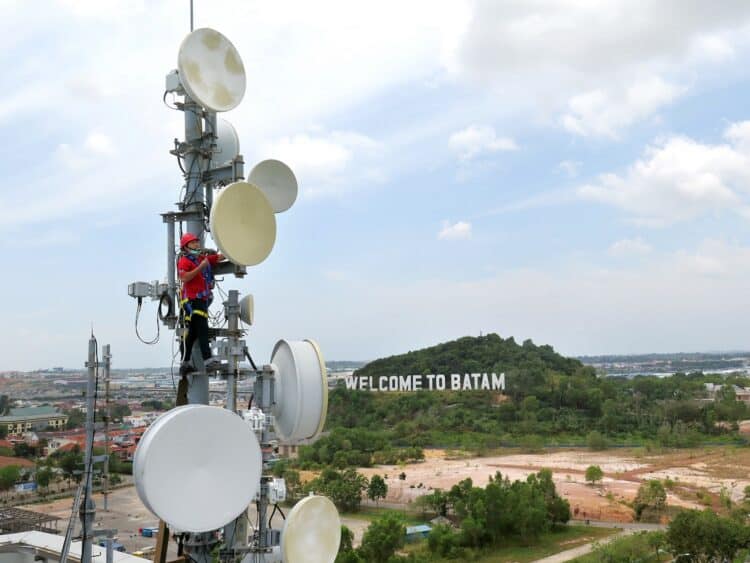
(194, 268)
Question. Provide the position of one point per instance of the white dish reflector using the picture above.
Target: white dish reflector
(211, 70)
(276, 180)
(247, 309)
(227, 142)
(301, 390)
(197, 467)
(243, 224)
(312, 532)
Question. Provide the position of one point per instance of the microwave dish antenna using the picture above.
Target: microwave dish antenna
(301, 390)
(243, 224)
(227, 142)
(312, 532)
(247, 309)
(277, 181)
(197, 467)
(211, 70)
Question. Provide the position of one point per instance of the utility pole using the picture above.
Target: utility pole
(88, 509)
(107, 415)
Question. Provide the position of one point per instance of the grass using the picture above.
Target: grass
(562, 539)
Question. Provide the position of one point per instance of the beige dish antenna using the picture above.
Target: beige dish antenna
(301, 385)
(211, 70)
(227, 142)
(243, 224)
(276, 180)
(197, 467)
(312, 532)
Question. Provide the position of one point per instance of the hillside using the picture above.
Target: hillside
(548, 399)
(490, 353)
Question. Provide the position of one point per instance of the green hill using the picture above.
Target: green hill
(490, 353)
(548, 399)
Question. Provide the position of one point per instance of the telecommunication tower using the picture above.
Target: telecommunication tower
(198, 467)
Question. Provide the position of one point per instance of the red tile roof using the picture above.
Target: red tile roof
(5, 461)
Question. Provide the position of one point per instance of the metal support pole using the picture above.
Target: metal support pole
(88, 509)
(171, 273)
(198, 546)
(110, 548)
(194, 166)
(235, 533)
(107, 415)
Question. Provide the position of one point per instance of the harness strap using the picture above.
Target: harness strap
(207, 276)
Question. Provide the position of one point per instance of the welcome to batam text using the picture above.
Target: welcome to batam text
(432, 382)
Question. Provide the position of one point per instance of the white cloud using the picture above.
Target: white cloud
(587, 38)
(656, 305)
(712, 48)
(328, 163)
(629, 247)
(99, 144)
(460, 230)
(570, 167)
(587, 60)
(678, 179)
(601, 113)
(479, 139)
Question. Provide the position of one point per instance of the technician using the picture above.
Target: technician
(195, 271)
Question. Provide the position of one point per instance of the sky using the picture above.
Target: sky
(569, 171)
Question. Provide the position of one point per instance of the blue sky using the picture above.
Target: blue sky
(576, 173)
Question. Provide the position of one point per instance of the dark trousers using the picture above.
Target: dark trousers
(196, 319)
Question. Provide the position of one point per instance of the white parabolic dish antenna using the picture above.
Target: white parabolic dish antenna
(312, 532)
(276, 180)
(247, 309)
(243, 224)
(227, 142)
(197, 467)
(301, 390)
(211, 70)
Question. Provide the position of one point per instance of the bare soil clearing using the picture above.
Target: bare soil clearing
(696, 471)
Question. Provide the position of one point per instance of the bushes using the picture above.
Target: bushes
(596, 441)
(521, 509)
(651, 497)
(355, 447)
(343, 488)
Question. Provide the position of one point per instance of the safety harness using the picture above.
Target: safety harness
(208, 279)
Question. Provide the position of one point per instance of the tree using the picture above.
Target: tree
(70, 462)
(43, 477)
(377, 488)
(594, 473)
(705, 536)
(76, 419)
(347, 553)
(22, 449)
(9, 475)
(5, 403)
(436, 501)
(651, 496)
(383, 537)
(344, 488)
(442, 540)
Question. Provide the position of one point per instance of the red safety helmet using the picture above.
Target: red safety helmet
(187, 238)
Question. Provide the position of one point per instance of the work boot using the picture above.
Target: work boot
(212, 364)
(186, 368)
